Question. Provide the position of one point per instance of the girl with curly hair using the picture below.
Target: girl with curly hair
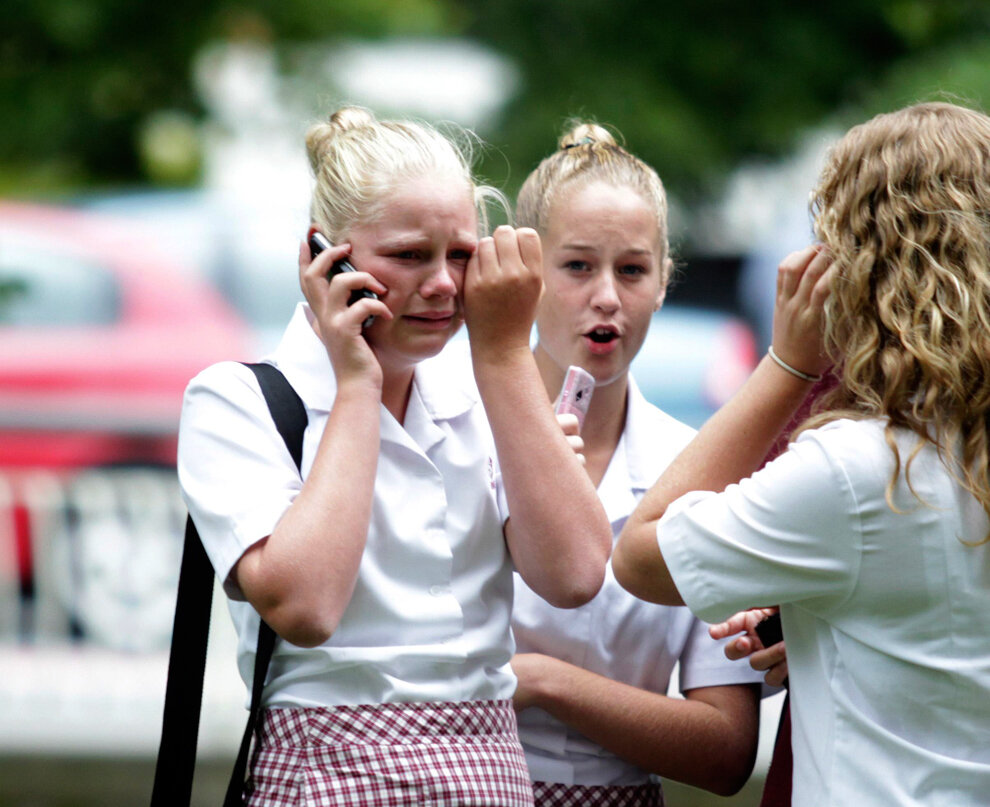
(872, 529)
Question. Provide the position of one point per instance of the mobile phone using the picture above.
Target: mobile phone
(769, 630)
(318, 243)
(575, 393)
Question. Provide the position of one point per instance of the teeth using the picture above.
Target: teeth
(602, 335)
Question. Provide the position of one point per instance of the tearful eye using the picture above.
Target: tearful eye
(632, 269)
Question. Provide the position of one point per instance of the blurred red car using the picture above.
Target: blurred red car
(99, 334)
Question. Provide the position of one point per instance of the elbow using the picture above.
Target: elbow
(300, 627)
(736, 759)
(624, 570)
(302, 631)
(578, 589)
(734, 772)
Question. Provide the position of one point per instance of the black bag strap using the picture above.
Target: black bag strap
(190, 631)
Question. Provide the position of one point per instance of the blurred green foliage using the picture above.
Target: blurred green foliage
(79, 78)
(693, 87)
(696, 86)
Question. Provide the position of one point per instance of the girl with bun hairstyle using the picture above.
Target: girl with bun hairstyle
(871, 531)
(385, 569)
(594, 716)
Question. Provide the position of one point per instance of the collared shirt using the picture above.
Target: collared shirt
(429, 616)
(884, 612)
(617, 635)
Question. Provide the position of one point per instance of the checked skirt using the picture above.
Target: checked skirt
(390, 755)
(553, 794)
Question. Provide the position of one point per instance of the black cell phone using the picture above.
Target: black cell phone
(318, 243)
(769, 630)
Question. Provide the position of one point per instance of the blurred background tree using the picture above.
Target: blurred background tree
(84, 82)
(86, 86)
(694, 87)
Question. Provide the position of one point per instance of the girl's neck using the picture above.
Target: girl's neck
(603, 426)
(396, 388)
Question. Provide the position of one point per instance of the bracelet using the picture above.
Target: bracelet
(791, 370)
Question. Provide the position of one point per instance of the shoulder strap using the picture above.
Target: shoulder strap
(190, 630)
(186, 666)
(289, 415)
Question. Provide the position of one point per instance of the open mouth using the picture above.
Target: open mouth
(602, 336)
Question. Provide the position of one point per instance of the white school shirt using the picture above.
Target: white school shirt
(885, 614)
(617, 635)
(429, 617)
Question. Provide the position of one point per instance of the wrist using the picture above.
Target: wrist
(359, 388)
(788, 368)
(501, 359)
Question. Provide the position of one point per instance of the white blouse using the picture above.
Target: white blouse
(885, 613)
(429, 617)
(617, 635)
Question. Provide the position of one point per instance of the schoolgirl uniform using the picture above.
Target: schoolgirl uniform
(409, 702)
(884, 608)
(616, 635)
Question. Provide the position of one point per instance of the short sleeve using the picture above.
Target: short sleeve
(703, 663)
(788, 534)
(236, 475)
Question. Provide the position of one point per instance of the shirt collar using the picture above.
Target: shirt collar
(303, 359)
(444, 383)
(640, 448)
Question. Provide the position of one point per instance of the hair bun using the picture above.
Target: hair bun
(584, 133)
(352, 117)
(321, 135)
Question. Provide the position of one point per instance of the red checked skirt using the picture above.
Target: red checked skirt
(552, 794)
(392, 754)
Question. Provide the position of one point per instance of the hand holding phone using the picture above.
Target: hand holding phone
(769, 630)
(575, 393)
(318, 243)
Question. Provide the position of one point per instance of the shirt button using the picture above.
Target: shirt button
(438, 591)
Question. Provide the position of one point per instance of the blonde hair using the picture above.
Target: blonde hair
(358, 160)
(903, 205)
(587, 152)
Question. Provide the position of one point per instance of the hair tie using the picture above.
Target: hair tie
(584, 141)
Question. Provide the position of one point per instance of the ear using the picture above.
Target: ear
(311, 230)
(660, 299)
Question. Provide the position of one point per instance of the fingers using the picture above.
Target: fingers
(530, 248)
(800, 274)
(568, 424)
(764, 659)
(740, 622)
(738, 648)
(485, 258)
(790, 269)
(510, 251)
(777, 675)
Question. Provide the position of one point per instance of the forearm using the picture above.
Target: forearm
(709, 744)
(729, 447)
(558, 534)
(300, 579)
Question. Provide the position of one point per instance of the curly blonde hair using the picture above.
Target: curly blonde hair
(903, 205)
(587, 152)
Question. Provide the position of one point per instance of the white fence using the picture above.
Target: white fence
(88, 571)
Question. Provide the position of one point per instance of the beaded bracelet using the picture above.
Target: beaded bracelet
(791, 370)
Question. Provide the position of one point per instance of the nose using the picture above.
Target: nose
(443, 280)
(604, 294)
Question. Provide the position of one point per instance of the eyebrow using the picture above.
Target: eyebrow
(588, 248)
(418, 240)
